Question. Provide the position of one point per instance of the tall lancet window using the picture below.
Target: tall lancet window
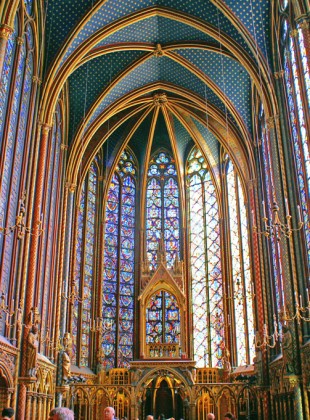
(85, 266)
(242, 290)
(162, 209)
(118, 280)
(296, 70)
(268, 189)
(6, 77)
(48, 258)
(16, 107)
(205, 262)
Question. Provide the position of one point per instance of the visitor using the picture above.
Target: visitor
(161, 417)
(7, 413)
(210, 416)
(61, 413)
(109, 413)
(149, 417)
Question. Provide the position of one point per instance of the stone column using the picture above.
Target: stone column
(66, 284)
(48, 406)
(39, 411)
(34, 407)
(27, 408)
(44, 406)
(192, 411)
(294, 381)
(42, 136)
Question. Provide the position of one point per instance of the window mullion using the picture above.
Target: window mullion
(208, 320)
(81, 282)
(118, 271)
(242, 273)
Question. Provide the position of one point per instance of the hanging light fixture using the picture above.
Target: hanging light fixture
(302, 313)
(267, 341)
(20, 222)
(275, 227)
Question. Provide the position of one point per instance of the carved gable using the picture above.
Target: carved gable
(164, 279)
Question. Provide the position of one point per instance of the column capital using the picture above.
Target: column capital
(70, 186)
(279, 74)
(270, 122)
(252, 183)
(293, 380)
(5, 31)
(304, 24)
(36, 80)
(45, 128)
(294, 33)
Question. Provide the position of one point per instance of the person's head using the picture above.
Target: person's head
(161, 417)
(7, 413)
(229, 416)
(149, 417)
(210, 416)
(61, 413)
(108, 413)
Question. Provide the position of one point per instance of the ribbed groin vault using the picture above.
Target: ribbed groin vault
(154, 208)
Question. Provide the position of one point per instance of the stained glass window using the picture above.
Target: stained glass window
(241, 276)
(205, 263)
(6, 77)
(84, 269)
(47, 257)
(298, 108)
(12, 126)
(119, 265)
(13, 137)
(305, 63)
(284, 3)
(268, 199)
(162, 319)
(28, 5)
(78, 271)
(162, 209)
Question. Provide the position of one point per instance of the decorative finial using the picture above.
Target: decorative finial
(161, 252)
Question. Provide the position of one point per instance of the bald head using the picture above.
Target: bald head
(108, 413)
(210, 416)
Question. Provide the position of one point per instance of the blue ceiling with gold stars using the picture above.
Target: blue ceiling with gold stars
(203, 47)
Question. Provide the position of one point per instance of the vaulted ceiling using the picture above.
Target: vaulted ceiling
(167, 73)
